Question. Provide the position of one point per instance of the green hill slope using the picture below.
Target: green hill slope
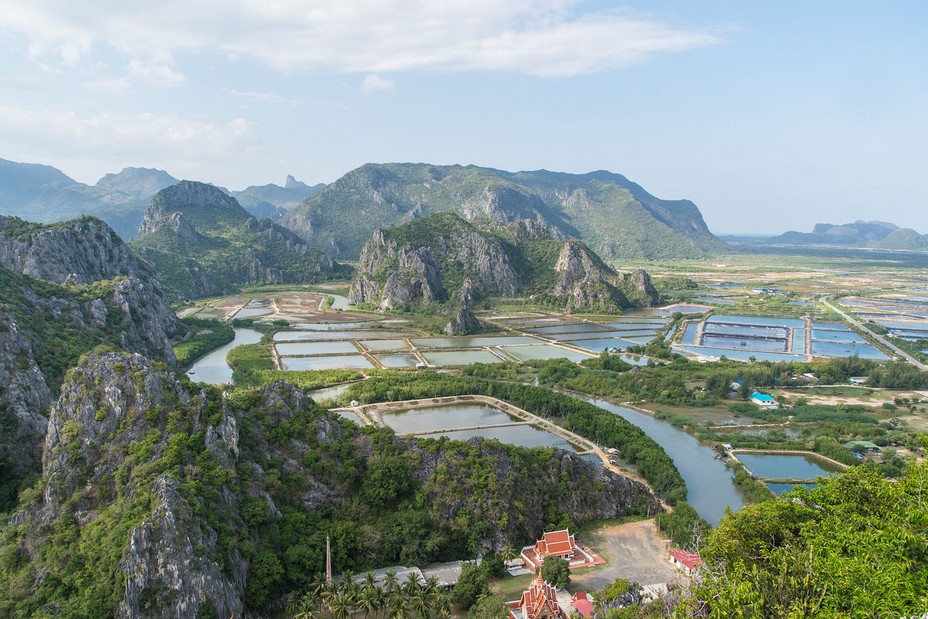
(615, 217)
(202, 242)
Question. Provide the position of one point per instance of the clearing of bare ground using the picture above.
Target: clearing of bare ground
(632, 550)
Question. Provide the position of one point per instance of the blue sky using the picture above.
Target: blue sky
(770, 116)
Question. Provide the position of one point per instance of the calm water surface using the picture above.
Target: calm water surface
(785, 466)
(709, 484)
(212, 368)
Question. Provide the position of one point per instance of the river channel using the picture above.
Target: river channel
(212, 368)
(709, 484)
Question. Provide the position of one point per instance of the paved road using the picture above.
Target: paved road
(882, 340)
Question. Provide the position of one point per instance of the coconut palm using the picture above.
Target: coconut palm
(419, 604)
(369, 600)
(431, 584)
(411, 584)
(441, 604)
(390, 582)
(340, 605)
(306, 607)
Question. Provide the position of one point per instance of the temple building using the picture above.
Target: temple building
(538, 602)
(554, 544)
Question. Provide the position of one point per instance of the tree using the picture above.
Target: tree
(488, 608)
(470, 586)
(853, 546)
(556, 572)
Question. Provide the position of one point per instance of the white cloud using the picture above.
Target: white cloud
(155, 71)
(539, 37)
(258, 97)
(191, 147)
(373, 82)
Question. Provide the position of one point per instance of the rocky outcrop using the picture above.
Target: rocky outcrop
(110, 298)
(463, 323)
(81, 251)
(189, 197)
(187, 234)
(589, 285)
(442, 258)
(24, 399)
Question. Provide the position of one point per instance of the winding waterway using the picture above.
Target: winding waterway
(710, 488)
(212, 367)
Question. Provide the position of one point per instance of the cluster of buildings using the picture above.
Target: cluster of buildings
(540, 600)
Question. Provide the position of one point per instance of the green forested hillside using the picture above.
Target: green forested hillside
(856, 546)
(614, 216)
(202, 242)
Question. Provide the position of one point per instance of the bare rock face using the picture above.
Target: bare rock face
(394, 272)
(389, 275)
(129, 312)
(81, 251)
(189, 195)
(24, 397)
(463, 323)
(586, 282)
(162, 552)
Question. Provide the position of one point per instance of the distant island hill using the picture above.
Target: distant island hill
(859, 234)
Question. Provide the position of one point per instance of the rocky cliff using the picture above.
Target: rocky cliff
(176, 500)
(202, 242)
(442, 258)
(66, 288)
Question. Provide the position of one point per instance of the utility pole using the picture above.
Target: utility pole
(328, 561)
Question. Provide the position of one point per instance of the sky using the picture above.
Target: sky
(770, 116)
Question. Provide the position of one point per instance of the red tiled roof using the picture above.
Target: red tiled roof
(584, 607)
(540, 597)
(689, 559)
(556, 543)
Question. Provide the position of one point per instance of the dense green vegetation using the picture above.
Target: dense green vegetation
(855, 546)
(615, 217)
(576, 415)
(205, 335)
(56, 340)
(556, 572)
(683, 526)
(382, 500)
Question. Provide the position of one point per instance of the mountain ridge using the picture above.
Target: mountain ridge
(202, 242)
(615, 217)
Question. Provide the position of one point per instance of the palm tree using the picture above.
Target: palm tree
(432, 584)
(390, 582)
(306, 606)
(508, 553)
(441, 604)
(369, 600)
(318, 586)
(420, 604)
(341, 605)
(411, 586)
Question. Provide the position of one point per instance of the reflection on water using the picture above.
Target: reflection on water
(785, 466)
(212, 368)
(709, 484)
